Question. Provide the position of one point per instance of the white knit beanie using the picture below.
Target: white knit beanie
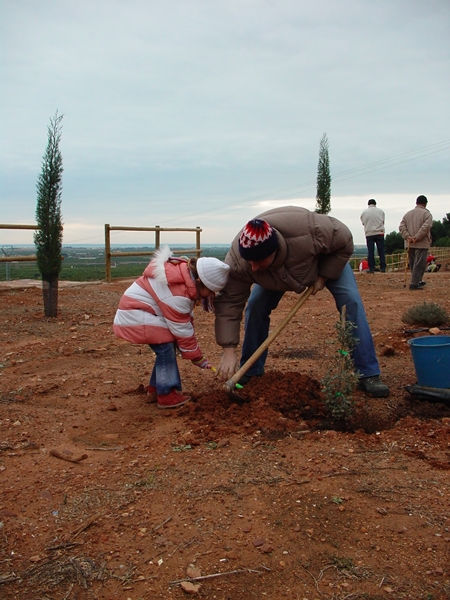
(213, 273)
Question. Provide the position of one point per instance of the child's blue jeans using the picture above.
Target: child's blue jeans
(165, 375)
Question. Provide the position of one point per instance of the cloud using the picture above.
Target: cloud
(176, 109)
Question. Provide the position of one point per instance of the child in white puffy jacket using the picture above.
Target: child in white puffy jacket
(157, 309)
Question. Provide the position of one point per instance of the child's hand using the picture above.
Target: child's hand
(202, 363)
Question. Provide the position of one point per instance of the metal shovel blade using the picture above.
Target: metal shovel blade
(234, 392)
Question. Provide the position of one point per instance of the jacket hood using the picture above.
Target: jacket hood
(170, 270)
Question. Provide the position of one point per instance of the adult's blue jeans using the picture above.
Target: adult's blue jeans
(345, 293)
(378, 241)
(165, 375)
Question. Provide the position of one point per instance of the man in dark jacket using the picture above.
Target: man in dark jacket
(289, 249)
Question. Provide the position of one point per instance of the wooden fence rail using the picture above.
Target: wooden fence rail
(397, 262)
(18, 258)
(394, 262)
(157, 229)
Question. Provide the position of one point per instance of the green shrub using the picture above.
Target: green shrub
(428, 314)
(443, 242)
(339, 383)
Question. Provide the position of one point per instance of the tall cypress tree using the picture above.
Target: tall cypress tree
(323, 195)
(48, 238)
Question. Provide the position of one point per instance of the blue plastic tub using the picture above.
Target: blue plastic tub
(431, 357)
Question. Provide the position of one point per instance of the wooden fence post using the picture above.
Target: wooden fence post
(197, 242)
(107, 253)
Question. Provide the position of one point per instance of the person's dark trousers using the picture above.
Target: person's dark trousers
(417, 263)
(378, 241)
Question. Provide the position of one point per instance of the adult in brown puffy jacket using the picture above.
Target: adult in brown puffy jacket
(415, 228)
(289, 249)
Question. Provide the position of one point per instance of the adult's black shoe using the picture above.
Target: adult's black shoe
(374, 386)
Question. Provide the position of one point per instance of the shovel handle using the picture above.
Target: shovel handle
(231, 383)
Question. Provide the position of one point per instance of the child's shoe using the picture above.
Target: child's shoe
(151, 394)
(172, 400)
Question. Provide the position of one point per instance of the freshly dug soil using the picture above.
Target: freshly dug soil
(104, 496)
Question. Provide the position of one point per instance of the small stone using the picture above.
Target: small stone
(266, 548)
(388, 351)
(111, 407)
(222, 443)
(190, 588)
(5, 512)
(435, 331)
(259, 542)
(193, 572)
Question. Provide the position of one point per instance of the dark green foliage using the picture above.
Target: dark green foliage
(394, 243)
(340, 383)
(428, 314)
(443, 242)
(48, 238)
(441, 231)
(323, 195)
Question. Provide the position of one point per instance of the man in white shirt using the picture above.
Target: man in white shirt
(373, 220)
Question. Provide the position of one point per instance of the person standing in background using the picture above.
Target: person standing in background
(415, 228)
(373, 221)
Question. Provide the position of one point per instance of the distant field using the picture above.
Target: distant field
(88, 264)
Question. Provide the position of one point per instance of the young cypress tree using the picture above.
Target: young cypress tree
(48, 238)
(323, 196)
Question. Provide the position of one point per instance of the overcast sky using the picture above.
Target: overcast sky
(185, 113)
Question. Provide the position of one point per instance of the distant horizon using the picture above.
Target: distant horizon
(143, 246)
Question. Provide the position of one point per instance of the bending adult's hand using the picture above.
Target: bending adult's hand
(318, 285)
(228, 365)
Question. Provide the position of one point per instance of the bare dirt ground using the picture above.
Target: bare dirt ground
(104, 496)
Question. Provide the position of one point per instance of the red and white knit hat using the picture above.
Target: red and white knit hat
(257, 240)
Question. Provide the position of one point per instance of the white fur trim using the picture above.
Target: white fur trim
(160, 257)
